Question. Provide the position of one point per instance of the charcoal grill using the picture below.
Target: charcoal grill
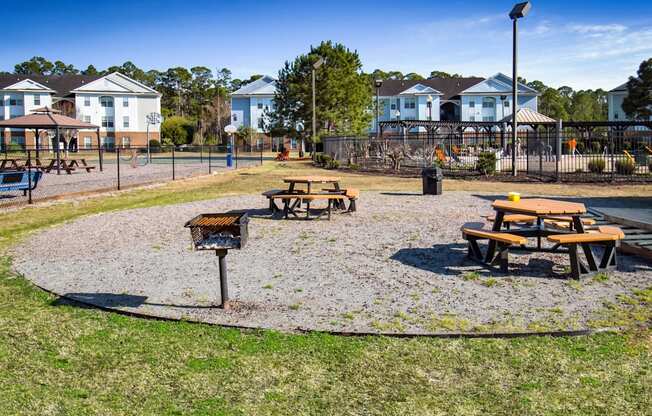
(220, 232)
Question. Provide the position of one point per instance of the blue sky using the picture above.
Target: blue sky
(584, 44)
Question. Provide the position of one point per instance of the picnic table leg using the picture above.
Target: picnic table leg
(539, 223)
(308, 209)
(590, 259)
(498, 223)
(286, 208)
(330, 203)
(574, 261)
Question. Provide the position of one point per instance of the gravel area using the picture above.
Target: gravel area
(397, 265)
(52, 184)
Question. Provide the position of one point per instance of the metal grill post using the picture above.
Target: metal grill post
(29, 177)
(224, 290)
(209, 159)
(173, 172)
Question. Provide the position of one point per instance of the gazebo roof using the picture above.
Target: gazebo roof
(526, 115)
(46, 119)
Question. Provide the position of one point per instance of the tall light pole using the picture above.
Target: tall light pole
(429, 108)
(316, 65)
(379, 83)
(519, 11)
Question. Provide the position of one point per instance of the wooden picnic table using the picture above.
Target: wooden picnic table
(540, 208)
(12, 162)
(69, 165)
(309, 180)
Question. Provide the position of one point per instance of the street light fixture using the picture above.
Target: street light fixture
(429, 107)
(378, 83)
(316, 65)
(519, 11)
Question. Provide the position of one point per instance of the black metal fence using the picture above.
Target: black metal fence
(28, 175)
(544, 154)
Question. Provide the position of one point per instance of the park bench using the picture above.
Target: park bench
(75, 163)
(352, 194)
(606, 236)
(289, 206)
(503, 240)
(19, 181)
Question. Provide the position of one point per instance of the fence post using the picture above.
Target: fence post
(559, 129)
(236, 155)
(173, 172)
(117, 160)
(261, 153)
(613, 155)
(201, 154)
(209, 159)
(29, 176)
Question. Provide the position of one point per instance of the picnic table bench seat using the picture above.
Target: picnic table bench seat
(288, 206)
(509, 219)
(501, 239)
(607, 236)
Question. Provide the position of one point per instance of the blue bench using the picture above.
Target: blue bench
(19, 181)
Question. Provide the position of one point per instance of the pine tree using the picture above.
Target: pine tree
(638, 103)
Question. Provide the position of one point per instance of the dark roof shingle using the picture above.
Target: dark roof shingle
(62, 84)
(449, 87)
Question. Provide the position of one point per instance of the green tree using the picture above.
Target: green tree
(177, 130)
(61, 68)
(553, 104)
(638, 103)
(343, 93)
(442, 74)
(90, 70)
(245, 134)
(36, 65)
(413, 76)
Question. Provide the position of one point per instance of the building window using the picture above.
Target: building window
(125, 102)
(392, 106)
(410, 103)
(260, 106)
(125, 121)
(471, 104)
(106, 101)
(235, 117)
(15, 101)
(261, 123)
(107, 121)
(18, 141)
(87, 119)
(259, 143)
(471, 118)
(488, 102)
(37, 100)
(293, 143)
(126, 141)
(88, 142)
(87, 101)
(505, 103)
(488, 118)
(615, 116)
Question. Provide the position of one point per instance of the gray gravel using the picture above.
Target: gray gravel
(397, 265)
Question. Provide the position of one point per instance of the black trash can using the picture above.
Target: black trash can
(432, 180)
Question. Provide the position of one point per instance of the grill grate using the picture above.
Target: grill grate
(218, 231)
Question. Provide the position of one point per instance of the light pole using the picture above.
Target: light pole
(429, 108)
(379, 83)
(519, 11)
(316, 65)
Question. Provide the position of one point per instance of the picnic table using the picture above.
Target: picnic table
(69, 165)
(292, 197)
(567, 236)
(10, 164)
(310, 180)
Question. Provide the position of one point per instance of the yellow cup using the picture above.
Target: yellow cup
(514, 196)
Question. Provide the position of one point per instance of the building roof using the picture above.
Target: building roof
(265, 85)
(619, 88)
(498, 84)
(61, 84)
(45, 120)
(526, 115)
(448, 87)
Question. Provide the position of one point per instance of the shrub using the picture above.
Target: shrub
(625, 167)
(597, 165)
(354, 166)
(332, 164)
(486, 163)
(325, 160)
(596, 147)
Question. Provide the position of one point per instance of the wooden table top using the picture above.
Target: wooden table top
(311, 179)
(540, 206)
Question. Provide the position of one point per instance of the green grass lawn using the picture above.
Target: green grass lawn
(59, 359)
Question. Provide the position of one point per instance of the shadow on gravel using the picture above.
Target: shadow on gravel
(451, 260)
(113, 300)
(401, 193)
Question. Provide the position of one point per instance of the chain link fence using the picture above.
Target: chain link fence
(30, 175)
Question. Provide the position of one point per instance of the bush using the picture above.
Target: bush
(625, 167)
(319, 159)
(332, 164)
(486, 163)
(354, 166)
(177, 130)
(597, 165)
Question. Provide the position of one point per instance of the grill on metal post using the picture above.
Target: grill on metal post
(219, 232)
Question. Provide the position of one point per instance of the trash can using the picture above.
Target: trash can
(432, 180)
(229, 160)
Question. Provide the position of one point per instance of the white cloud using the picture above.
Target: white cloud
(597, 29)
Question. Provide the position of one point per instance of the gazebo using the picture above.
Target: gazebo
(49, 119)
